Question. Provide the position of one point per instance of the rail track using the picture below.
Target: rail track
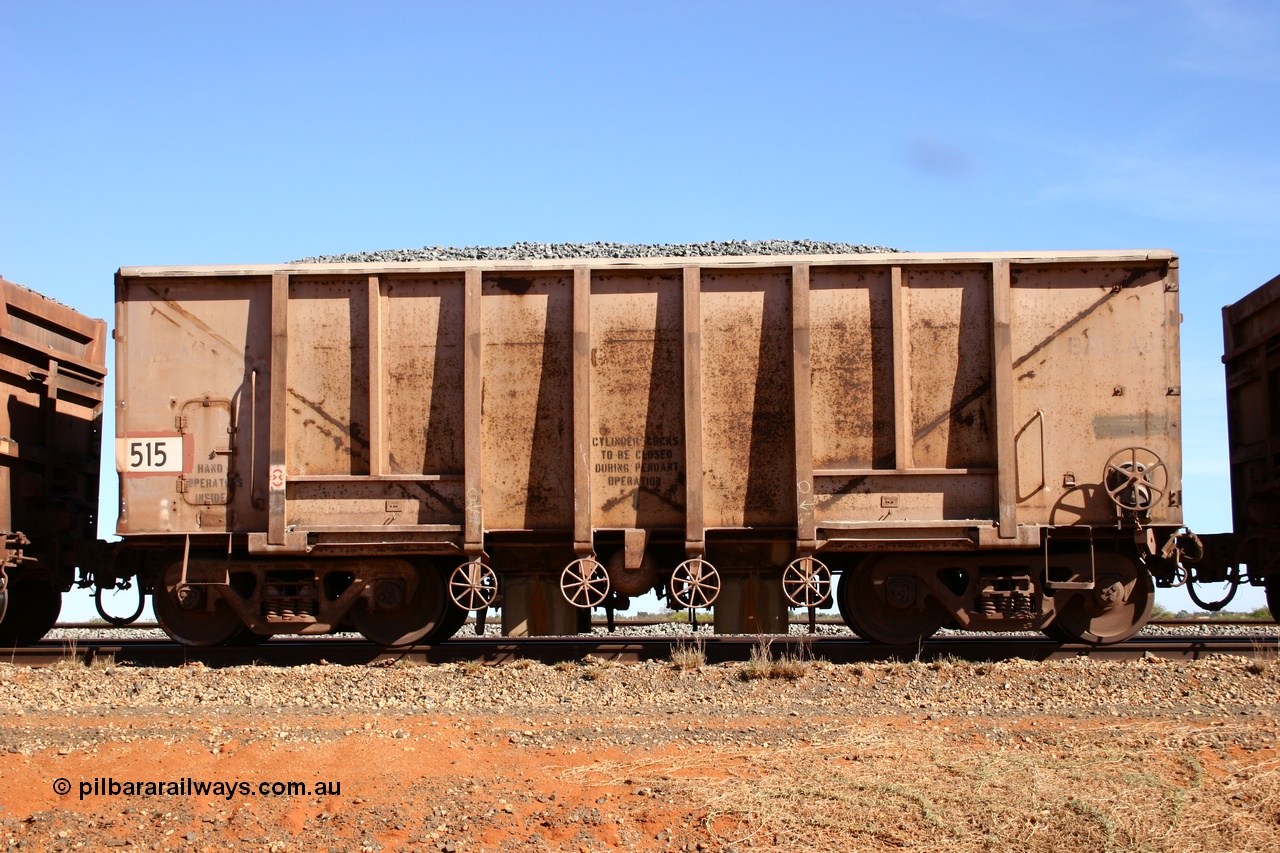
(718, 649)
(644, 622)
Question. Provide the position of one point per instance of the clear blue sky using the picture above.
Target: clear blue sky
(188, 133)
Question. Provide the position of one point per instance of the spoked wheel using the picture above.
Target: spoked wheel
(1136, 478)
(473, 585)
(806, 582)
(185, 616)
(1113, 611)
(881, 601)
(584, 583)
(32, 608)
(403, 616)
(695, 583)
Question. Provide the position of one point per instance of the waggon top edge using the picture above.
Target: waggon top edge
(739, 261)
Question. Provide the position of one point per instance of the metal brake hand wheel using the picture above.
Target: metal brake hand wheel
(1136, 478)
(584, 583)
(473, 585)
(806, 582)
(695, 583)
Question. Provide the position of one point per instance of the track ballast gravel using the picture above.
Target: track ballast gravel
(555, 251)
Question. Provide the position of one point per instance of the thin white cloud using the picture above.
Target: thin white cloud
(1186, 188)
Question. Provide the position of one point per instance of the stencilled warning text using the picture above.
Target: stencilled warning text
(637, 461)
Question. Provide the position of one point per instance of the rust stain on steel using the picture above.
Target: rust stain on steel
(953, 413)
(637, 441)
(1063, 329)
(851, 346)
(849, 487)
(1134, 276)
(196, 321)
(355, 440)
(949, 315)
(429, 491)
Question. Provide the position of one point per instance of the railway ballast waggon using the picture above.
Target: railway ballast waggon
(983, 441)
(52, 369)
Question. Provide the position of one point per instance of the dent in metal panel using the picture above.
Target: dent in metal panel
(748, 422)
(637, 400)
(328, 394)
(852, 357)
(528, 398)
(422, 374)
(952, 419)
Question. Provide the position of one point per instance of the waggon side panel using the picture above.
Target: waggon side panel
(527, 414)
(905, 422)
(1251, 337)
(52, 369)
(636, 443)
(193, 358)
(747, 409)
(1092, 376)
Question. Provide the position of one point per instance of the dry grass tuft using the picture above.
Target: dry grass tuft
(71, 658)
(761, 664)
(689, 655)
(594, 668)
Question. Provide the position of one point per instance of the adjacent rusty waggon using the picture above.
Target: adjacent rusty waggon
(1251, 353)
(990, 441)
(52, 368)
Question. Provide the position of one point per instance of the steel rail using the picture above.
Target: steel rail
(644, 622)
(718, 649)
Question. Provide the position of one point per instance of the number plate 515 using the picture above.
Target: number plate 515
(140, 454)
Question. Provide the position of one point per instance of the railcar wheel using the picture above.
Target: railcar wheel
(454, 618)
(695, 583)
(1113, 611)
(402, 619)
(32, 608)
(1273, 596)
(244, 638)
(185, 618)
(881, 603)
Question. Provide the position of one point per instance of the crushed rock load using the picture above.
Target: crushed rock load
(539, 251)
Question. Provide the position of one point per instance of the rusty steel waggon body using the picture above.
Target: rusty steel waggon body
(1251, 354)
(52, 368)
(989, 440)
